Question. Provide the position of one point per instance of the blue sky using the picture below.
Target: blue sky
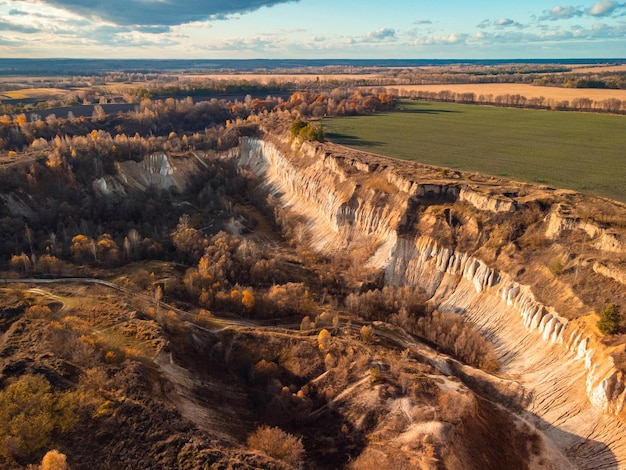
(312, 29)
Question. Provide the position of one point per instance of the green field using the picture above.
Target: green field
(581, 151)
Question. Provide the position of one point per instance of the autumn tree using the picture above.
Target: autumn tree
(323, 340)
(366, 334)
(83, 249)
(38, 311)
(265, 370)
(247, 299)
(133, 245)
(204, 317)
(30, 415)
(192, 280)
(278, 444)
(21, 120)
(21, 263)
(54, 460)
(55, 159)
(329, 361)
(99, 114)
(306, 323)
(107, 250)
(188, 240)
(49, 264)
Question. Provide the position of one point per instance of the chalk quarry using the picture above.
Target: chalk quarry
(444, 232)
(477, 246)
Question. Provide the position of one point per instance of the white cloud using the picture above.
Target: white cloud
(605, 31)
(381, 34)
(7, 42)
(239, 43)
(16, 27)
(604, 8)
(506, 22)
(138, 39)
(561, 13)
(598, 31)
(441, 40)
(500, 23)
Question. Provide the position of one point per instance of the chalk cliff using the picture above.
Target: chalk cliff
(481, 247)
(156, 170)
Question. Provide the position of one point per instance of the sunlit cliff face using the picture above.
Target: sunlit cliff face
(573, 390)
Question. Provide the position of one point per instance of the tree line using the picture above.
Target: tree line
(515, 100)
(152, 118)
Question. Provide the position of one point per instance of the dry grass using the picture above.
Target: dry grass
(39, 93)
(380, 183)
(599, 69)
(529, 91)
(25, 79)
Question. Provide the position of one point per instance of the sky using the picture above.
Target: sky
(312, 29)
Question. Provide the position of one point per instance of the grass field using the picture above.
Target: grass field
(580, 151)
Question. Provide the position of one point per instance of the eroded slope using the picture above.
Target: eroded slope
(486, 249)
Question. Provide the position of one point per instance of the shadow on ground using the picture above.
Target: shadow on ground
(425, 111)
(350, 140)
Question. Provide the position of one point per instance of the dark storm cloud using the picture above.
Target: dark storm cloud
(158, 12)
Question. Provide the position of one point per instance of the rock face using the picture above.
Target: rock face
(156, 170)
(577, 393)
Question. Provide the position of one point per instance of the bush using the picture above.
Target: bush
(556, 267)
(277, 444)
(323, 340)
(38, 311)
(54, 460)
(307, 131)
(609, 321)
(31, 414)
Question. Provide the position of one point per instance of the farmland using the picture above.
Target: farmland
(579, 151)
(33, 93)
(528, 91)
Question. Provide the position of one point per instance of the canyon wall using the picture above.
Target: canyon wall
(156, 170)
(403, 212)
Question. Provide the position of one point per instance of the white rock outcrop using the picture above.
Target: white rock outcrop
(155, 170)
